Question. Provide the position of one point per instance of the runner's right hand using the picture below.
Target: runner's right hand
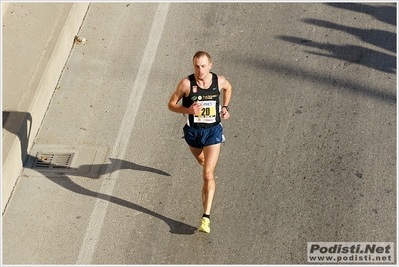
(196, 107)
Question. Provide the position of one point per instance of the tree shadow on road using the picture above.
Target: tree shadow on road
(63, 180)
(355, 53)
(341, 84)
(384, 13)
(380, 38)
(350, 53)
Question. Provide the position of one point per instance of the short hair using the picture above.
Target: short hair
(202, 53)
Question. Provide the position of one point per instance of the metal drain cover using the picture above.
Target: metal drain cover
(59, 161)
(52, 160)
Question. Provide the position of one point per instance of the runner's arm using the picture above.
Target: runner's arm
(183, 89)
(227, 91)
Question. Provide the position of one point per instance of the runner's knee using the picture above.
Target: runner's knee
(208, 176)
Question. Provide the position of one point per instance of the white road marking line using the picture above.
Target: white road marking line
(97, 217)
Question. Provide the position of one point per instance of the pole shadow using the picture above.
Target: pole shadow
(64, 181)
(19, 123)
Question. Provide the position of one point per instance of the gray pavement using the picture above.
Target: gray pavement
(310, 153)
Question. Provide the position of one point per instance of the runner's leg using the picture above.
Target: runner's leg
(198, 154)
(211, 156)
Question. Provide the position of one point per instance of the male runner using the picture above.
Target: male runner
(203, 131)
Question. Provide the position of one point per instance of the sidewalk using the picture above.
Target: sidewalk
(37, 40)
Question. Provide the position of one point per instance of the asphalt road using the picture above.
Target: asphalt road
(310, 151)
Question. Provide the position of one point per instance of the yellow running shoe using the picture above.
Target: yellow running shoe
(205, 225)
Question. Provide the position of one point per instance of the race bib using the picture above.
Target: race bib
(207, 114)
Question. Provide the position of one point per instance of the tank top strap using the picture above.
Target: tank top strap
(192, 80)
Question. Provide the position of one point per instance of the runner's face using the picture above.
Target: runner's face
(202, 66)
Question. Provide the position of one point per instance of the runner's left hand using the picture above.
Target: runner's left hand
(225, 114)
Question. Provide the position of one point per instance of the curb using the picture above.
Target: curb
(20, 127)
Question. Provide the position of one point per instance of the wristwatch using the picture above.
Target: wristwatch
(227, 107)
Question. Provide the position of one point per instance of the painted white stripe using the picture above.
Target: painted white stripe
(119, 150)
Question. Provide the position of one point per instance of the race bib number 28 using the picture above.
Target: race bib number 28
(207, 114)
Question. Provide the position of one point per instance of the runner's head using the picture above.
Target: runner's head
(202, 64)
(201, 54)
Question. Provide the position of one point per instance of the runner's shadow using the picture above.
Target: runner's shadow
(64, 181)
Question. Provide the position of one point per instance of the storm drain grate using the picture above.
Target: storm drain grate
(53, 160)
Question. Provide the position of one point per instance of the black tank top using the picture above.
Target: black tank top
(210, 113)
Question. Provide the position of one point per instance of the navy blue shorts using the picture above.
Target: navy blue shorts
(200, 137)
